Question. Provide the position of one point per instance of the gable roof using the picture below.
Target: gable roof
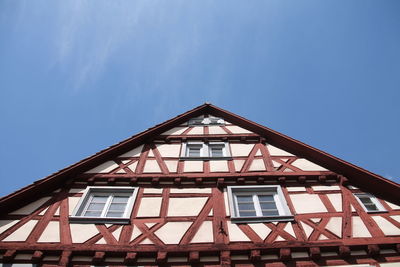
(360, 177)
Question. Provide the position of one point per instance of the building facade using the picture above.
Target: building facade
(206, 188)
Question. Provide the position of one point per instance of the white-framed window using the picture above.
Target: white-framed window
(201, 150)
(206, 121)
(105, 204)
(369, 202)
(264, 203)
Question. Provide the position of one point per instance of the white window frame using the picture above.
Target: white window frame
(106, 190)
(373, 199)
(205, 151)
(279, 198)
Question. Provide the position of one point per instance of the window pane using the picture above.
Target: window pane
(246, 206)
(371, 207)
(89, 213)
(268, 205)
(99, 199)
(247, 213)
(243, 198)
(270, 212)
(217, 151)
(115, 214)
(120, 199)
(266, 198)
(117, 207)
(194, 152)
(96, 206)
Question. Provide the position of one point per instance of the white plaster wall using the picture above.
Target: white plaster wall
(193, 166)
(257, 165)
(306, 165)
(336, 200)
(172, 165)
(274, 151)
(172, 232)
(358, 227)
(51, 233)
(169, 150)
(43, 211)
(307, 229)
(132, 166)
(151, 166)
(216, 130)
(393, 206)
(387, 227)
(175, 131)
(260, 229)
(28, 209)
(204, 234)
(104, 168)
(196, 130)
(235, 234)
(307, 203)
(241, 150)
(188, 206)
(335, 226)
(296, 189)
(152, 190)
(135, 233)
(117, 233)
(134, 152)
(191, 190)
(389, 264)
(219, 166)
(22, 233)
(237, 130)
(72, 202)
(150, 207)
(82, 232)
(6, 224)
(325, 187)
(238, 164)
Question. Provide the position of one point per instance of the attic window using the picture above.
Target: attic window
(258, 204)
(206, 121)
(201, 150)
(105, 204)
(369, 202)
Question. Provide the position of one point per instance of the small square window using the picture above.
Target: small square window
(369, 202)
(194, 150)
(105, 204)
(200, 150)
(216, 151)
(258, 203)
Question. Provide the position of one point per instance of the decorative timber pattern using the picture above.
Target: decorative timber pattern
(181, 215)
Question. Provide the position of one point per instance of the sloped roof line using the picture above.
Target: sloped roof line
(361, 177)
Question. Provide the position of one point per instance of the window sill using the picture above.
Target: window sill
(205, 158)
(286, 218)
(77, 219)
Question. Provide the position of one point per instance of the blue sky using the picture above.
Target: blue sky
(78, 76)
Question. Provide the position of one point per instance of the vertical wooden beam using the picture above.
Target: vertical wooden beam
(285, 254)
(65, 258)
(130, 258)
(194, 256)
(225, 259)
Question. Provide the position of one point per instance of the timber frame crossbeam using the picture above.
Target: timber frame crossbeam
(317, 255)
(209, 180)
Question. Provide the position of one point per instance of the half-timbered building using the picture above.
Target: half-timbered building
(206, 188)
